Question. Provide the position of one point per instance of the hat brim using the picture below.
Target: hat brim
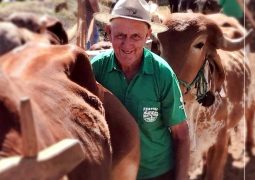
(104, 18)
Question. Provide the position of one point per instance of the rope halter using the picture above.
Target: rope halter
(200, 83)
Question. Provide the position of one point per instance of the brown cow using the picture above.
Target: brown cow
(12, 36)
(123, 129)
(62, 107)
(20, 28)
(39, 24)
(211, 73)
(54, 78)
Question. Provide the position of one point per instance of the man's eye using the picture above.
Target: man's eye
(120, 36)
(136, 37)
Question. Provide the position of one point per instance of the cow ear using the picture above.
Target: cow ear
(218, 73)
(55, 27)
(82, 74)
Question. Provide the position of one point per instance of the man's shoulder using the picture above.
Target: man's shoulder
(160, 63)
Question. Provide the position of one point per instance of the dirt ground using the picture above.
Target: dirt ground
(238, 162)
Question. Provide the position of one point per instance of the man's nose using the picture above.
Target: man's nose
(127, 42)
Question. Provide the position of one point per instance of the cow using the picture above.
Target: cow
(55, 86)
(61, 106)
(250, 110)
(122, 126)
(39, 24)
(20, 28)
(12, 36)
(232, 29)
(211, 73)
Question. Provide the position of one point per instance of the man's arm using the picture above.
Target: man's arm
(181, 143)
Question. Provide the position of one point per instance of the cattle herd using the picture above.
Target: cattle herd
(36, 61)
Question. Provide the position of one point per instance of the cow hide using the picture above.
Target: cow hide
(29, 29)
(62, 108)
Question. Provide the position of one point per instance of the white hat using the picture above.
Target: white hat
(131, 9)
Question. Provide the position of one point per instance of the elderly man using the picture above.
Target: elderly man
(148, 88)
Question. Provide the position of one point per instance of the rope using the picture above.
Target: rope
(201, 85)
(199, 82)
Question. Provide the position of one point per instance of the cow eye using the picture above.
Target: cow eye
(199, 45)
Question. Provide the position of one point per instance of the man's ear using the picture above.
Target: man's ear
(107, 29)
(148, 36)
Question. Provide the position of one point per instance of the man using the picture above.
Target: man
(148, 88)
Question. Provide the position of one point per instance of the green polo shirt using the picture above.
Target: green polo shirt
(154, 99)
(231, 8)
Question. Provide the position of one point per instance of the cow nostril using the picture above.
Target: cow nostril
(199, 45)
(226, 24)
(22, 41)
(237, 34)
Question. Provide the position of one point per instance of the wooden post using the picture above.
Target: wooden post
(81, 21)
(28, 128)
(53, 162)
(78, 36)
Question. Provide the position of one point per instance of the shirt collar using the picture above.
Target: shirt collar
(112, 63)
(147, 65)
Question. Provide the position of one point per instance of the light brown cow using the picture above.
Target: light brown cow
(123, 129)
(212, 81)
(232, 29)
(250, 109)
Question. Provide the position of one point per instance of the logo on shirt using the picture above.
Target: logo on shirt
(182, 103)
(150, 114)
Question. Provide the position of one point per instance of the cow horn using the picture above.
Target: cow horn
(227, 44)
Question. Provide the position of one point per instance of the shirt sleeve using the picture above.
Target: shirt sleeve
(172, 106)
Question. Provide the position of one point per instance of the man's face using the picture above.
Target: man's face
(128, 38)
